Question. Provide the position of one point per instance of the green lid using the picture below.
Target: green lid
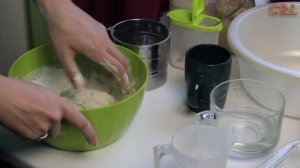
(195, 18)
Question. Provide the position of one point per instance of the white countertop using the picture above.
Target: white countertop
(163, 110)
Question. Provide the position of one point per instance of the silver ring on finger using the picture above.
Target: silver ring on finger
(42, 137)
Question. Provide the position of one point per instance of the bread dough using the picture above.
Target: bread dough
(88, 98)
(101, 89)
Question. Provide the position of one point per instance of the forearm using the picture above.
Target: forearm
(1, 96)
(3, 92)
(53, 8)
(2, 78)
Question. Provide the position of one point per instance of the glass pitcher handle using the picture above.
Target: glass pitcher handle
(206, 117)
(159, 152)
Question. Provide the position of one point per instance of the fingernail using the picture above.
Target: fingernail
(94, 143)
(79, 80)
(126, 82)
(126, 78)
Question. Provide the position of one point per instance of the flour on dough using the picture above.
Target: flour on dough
(88, 98)
(94, 95)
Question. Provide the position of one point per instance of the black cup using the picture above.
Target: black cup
(206, 65)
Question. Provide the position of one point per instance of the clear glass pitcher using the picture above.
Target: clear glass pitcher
(197, 146)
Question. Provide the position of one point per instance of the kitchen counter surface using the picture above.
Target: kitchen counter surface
(163, 111)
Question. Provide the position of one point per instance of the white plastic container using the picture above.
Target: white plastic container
(183, 38)
(189, 28)
(267, 46)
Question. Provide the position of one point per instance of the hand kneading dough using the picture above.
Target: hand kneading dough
(99, 91)
(88, 98)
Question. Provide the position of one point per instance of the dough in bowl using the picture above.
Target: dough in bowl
(88, 98)
(100, 89)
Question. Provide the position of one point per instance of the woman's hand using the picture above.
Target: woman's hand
(74, 31)
(32, 111)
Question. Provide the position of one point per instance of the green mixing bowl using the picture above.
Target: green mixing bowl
(110, 122)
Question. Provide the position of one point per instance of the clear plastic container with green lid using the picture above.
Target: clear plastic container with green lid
(189, 28)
